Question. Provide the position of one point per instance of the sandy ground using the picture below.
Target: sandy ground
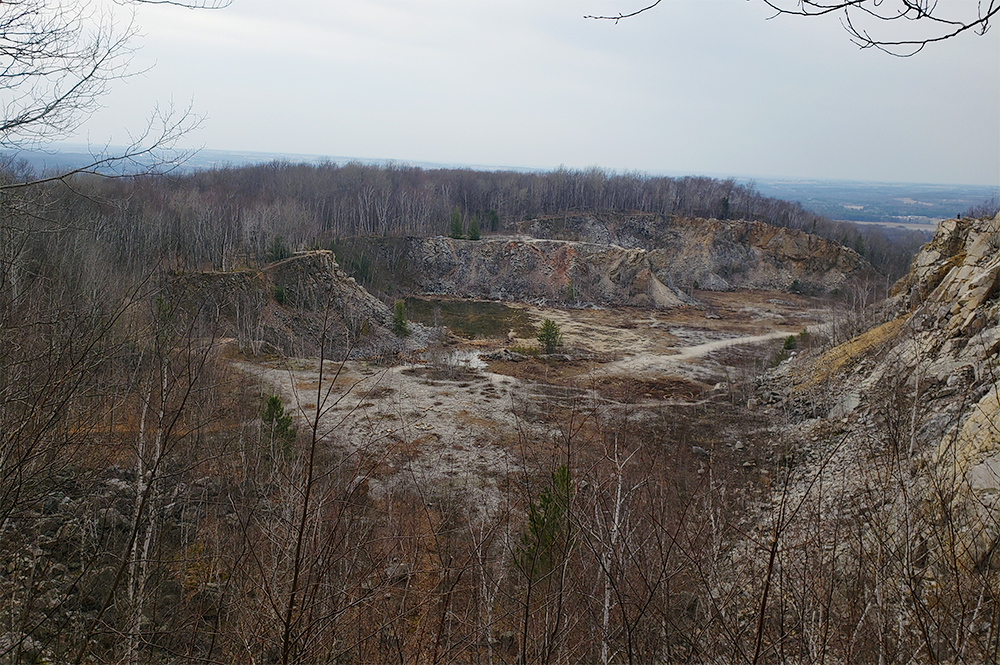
(689, 362)
(629, 331)
(446, 428)
(681, 343)
(449, 424)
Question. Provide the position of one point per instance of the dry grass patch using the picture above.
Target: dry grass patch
(629, 389)
(844, 356)
(476, 422)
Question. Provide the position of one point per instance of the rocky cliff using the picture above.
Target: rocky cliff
(715, 254)
(524, 268)
(639, 260)
(914, 402)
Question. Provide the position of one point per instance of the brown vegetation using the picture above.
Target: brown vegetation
(574, 510)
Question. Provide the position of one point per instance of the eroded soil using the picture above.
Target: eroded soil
(446, 421)
(670, 345)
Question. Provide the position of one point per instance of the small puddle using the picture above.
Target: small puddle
(471, 319)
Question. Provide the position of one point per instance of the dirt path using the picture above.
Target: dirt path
(681, 343)
(658, 364)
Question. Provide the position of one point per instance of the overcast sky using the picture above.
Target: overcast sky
(694, 86)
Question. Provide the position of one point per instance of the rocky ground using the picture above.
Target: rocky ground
(454, 415)
(920, 388)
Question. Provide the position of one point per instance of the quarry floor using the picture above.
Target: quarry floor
(447, 421)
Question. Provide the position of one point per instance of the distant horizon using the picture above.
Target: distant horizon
(693, 87)
(263, 156)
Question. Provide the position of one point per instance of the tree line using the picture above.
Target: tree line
(226, 217)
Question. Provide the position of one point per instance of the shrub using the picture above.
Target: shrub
(277, 422)
(524, 350)
(780, 357)
(805, 339)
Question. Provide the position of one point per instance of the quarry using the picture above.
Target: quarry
(440, 402)
(735, 443)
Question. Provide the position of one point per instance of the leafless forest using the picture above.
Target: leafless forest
(161, 503)
(218, 216)
(153, 510)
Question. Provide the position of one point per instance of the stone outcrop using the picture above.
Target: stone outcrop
(954, 293)
(714, 254)
(289, 306)
(923, 386)
(529, 269)
(638, 260)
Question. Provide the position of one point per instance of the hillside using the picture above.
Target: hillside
(924, 384)
(288, 307)
(893, 448)
(607, 259)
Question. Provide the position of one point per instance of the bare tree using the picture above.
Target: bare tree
(929, 21)
(57, 59)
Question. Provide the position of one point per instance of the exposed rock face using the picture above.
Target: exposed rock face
(718, 255)
(954, 276)
(924, 386)
(286, 307)
(640, 260)
(957, 328)
(521, 268)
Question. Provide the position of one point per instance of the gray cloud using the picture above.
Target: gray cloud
(696, 86)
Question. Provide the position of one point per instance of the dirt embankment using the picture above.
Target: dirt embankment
(288, 307)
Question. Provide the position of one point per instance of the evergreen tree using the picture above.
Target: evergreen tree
(474, 228)
(279, 424)
(548, 526)
(399, 325)
(456, 224)
(549, 336)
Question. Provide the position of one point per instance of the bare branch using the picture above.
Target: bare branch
(621, 16)
(150, 151)
(933, 22)
(193, 4)
(57, 60)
